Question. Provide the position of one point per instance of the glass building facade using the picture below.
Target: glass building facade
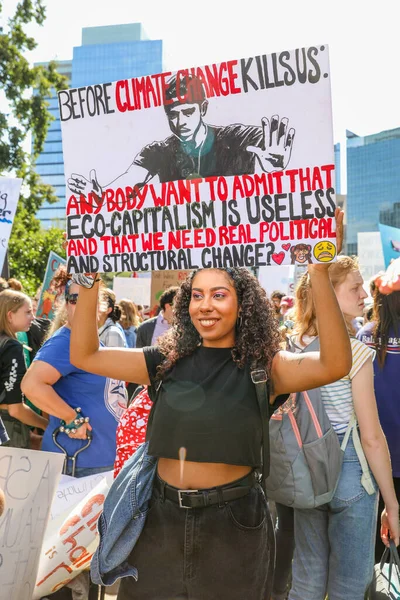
(107, 53)
(49, 164)
(373, 183)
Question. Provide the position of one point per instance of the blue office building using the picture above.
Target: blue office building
(107, 53)
(50, 164)
(373, 183)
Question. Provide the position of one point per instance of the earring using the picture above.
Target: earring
(239, 322)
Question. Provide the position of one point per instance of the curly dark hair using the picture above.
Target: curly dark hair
(386, 316)
(257, 337)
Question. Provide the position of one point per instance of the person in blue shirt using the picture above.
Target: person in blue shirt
(59, 388)
(383, 334)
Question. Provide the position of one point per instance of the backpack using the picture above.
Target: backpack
(305, 454)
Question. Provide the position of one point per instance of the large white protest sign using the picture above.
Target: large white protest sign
(9, 194)
(71, 538)
(28, 479)
(228, 164)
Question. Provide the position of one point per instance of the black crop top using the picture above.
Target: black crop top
(206, 405)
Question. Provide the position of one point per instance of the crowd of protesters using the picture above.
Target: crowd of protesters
(101, 379)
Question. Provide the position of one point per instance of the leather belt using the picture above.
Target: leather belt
(208, 497)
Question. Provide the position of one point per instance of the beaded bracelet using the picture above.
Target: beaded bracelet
(75, 424)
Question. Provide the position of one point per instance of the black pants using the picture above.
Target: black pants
(17, 432)
(284, 533)
(214, 553)
(379, 546)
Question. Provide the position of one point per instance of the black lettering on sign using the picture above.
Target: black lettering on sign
(84, 102)
(280, 69)
(12, 478)
(83, 264)
(245, 255)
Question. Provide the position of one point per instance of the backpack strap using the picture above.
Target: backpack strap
(260, 378)
(350, 426)
(366, 479)
(106, 328)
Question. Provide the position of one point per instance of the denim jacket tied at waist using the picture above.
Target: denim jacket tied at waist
(123, 518)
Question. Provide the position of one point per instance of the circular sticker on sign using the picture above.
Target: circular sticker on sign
(324, 251)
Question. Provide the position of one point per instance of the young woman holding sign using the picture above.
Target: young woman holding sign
(208, 533)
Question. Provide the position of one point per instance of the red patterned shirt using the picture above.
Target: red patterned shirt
(131, 431)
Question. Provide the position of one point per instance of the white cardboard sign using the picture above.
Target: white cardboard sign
(29, 480)
(71, 537)
(9, 195)
(230, 164)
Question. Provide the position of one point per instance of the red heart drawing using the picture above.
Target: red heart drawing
(286, 247)
(278, 258)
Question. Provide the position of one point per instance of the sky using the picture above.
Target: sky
(362, 35)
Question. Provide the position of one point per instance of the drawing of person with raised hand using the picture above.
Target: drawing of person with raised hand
(196, 149)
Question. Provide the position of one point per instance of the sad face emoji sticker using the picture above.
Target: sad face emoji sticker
(324, 251)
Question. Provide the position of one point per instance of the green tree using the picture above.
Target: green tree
(25, 89)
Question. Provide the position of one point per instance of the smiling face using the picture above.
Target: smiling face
(351, 295)
(213, 308)
(302, 256)
(185, 119)
(324, 251)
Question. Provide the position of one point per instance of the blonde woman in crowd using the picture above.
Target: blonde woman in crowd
(334, 544)
(15, 315)
(130, 321)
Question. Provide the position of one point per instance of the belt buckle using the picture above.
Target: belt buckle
(180, 492)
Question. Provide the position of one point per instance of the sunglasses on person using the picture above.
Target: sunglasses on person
(71, 298)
